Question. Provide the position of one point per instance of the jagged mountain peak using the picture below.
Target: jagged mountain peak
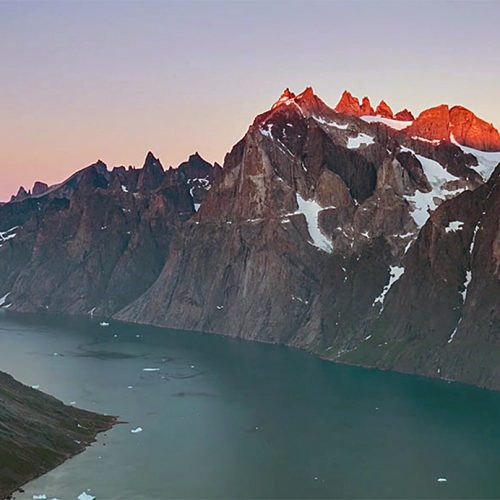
(384, 110)
(285, 96)
(152, 161)
(306, 103)
(349, 105)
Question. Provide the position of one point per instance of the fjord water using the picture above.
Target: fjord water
(223, 418)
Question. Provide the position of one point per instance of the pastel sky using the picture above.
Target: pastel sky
(112, 80)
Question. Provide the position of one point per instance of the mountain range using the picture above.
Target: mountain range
(358, 234)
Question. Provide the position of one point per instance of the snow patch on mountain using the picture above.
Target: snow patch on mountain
(395, 272)
(454, 226)
(360, 140)
(487, 161)
(7, 235)
(395, 124)
(311, 209)
(437, 177)
(330, 123)
(423, 139)
(468, 279)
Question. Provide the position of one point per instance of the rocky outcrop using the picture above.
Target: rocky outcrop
(38, 432)
(349, 105)
(366, 107)
(469, 130)
(456, 124)
(151, 174)
(39, 188)
(404, 115)
(384, 110)
(21, 195)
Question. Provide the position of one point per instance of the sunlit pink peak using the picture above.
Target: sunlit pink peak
(285, 96)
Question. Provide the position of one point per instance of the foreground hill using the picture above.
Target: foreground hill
(364, 236)
(38, 432)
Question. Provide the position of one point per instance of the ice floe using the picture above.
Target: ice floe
(3, 299)
(85, 496)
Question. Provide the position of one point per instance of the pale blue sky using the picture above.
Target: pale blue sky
(111, 80)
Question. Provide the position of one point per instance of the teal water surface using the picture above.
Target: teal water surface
(223, 418)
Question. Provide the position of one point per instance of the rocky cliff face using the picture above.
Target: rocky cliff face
(38, 432)
(344, 236)
(95, 242)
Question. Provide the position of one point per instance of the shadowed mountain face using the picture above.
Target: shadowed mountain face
(38, 432)
(347, 233)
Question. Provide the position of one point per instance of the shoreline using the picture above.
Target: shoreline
(39, 433)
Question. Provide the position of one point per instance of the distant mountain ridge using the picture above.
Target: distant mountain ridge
(439, 123)
(365, 238)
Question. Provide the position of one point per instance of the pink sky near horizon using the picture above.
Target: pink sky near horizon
(112, 80)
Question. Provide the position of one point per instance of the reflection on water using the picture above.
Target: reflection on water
(212, 417)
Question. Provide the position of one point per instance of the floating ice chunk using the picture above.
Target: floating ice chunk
(136, 430)
(360, 140)
(103, 323)
(40, 497)
(150, 369)
(454, 226)
(85, 496)
(3, 299)
(130, 387)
